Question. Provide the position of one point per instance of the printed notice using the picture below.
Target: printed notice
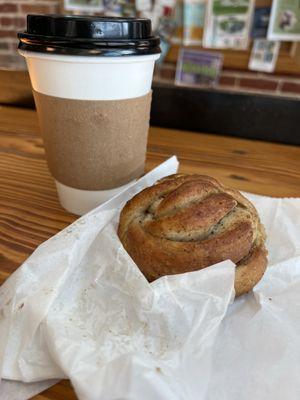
(193, 21)
(261, 21)
(285, 20)
(84, 5)
(264, 55)
(198, 68)
(228, 23)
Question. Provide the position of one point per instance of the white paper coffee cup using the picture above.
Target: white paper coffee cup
(89, 78)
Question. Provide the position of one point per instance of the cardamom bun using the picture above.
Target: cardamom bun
(185, 223)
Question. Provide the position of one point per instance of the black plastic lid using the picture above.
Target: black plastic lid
(88, 35)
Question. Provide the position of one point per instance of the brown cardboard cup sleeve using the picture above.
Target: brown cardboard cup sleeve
(94, 144)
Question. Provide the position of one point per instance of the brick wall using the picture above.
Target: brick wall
(240, 81)
(12, 20)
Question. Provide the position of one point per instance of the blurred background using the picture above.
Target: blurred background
(228, 66)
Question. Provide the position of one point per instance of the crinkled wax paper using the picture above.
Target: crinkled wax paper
(79, 308)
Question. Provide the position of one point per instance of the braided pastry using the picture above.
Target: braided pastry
(187, 222)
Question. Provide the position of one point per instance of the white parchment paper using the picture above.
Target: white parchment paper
(79, 308)
(257, 353)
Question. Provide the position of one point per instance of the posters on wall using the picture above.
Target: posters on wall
(264, 55)
(228, 23)
(193, 21)
(198, 68)
(285, 20)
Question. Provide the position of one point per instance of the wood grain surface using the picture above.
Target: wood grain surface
(30, 212)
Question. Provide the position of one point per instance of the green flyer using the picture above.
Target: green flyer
(227, 24)
(285, 20)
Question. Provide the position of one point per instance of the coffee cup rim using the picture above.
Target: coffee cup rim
(88, 36)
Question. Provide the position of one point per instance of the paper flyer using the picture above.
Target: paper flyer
(228, 23)
(261, 19)
(193, 21)
(285, 20)
(198, 68)
(143, 5)
(264, 55)
(84, 5)
(178, 18)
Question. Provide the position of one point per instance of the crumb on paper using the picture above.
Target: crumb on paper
(21, 306)
(270, 298)
(48, 290)
(158, 369)
(8, 302)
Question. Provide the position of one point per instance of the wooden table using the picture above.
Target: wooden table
(30, 212)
